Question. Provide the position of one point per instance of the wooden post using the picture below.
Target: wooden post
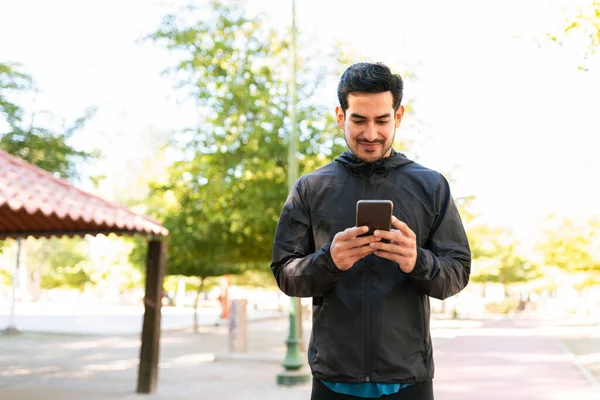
(155, 272)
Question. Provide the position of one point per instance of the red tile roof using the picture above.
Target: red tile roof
(35, 203)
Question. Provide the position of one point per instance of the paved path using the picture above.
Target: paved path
(509, 359)
(505, 359)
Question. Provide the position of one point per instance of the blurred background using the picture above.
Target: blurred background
(180, 111)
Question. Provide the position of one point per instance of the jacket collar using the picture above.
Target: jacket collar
(378, 170)
(395, 160)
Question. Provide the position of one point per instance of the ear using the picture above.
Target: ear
(339, 116)
(399, 115)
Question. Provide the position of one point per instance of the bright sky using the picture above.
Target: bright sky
(517, 118)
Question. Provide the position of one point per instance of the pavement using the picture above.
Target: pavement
(100, 319)
(500, 358)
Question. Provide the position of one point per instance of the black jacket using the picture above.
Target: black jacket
(370, 323)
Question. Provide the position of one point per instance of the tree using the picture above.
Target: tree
(572, 247)
(61, 263)
(507, 267)
(228, 186)
(584, 24)
(494, 255)
(11, 80)
(24, 138)
(5, 278)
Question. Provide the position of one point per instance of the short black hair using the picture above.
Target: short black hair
(369, 78)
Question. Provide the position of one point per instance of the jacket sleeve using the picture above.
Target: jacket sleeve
(299, 269)
(443, 265)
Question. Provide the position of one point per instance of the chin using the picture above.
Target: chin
(370, 157)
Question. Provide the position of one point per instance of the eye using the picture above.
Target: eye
(358, 121)
(383, 122)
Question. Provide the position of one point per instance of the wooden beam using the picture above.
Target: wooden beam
(66, 232)
(149, 352)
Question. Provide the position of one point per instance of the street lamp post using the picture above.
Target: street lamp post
(293, 363)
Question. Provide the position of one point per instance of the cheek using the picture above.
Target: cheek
(349, 131)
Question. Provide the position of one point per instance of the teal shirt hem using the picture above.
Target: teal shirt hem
(369, 390)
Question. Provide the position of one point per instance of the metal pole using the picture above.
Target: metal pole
(12, 328)
(292, 159)
(293, 362)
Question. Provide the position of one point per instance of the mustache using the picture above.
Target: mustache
(370, 142)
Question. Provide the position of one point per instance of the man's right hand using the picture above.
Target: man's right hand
(346, 248)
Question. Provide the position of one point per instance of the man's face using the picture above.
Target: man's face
(370, 124)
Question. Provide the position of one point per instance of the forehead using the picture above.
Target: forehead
(367, 103)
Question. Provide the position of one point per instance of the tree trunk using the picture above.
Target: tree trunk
(198, 293)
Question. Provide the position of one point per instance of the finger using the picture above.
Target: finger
(402, 240)
(402, 227)
(361, 254)
(344, 245)
(353, 232)
(351, 256)
(358, 251)
(363, 240)
(393, 248)
(394, 235)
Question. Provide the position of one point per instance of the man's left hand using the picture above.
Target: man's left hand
(403, 246)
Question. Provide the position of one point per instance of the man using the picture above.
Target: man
(370, 335)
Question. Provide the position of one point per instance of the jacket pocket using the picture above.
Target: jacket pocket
(337, 340)
(399, 352)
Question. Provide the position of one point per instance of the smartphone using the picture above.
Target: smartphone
(376, 214)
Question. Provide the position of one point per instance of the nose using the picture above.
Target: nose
(370, 133)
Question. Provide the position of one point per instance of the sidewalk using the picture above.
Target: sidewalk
(504, 359)
(509, 359)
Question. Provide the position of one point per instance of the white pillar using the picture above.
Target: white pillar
(238, 342)
(15, 285)
(180, 297)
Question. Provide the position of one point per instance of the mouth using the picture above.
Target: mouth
(369, 146)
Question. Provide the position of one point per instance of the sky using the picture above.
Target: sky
(507, 112)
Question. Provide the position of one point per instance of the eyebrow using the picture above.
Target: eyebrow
(358, 116)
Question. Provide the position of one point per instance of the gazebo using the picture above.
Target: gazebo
(33, 203)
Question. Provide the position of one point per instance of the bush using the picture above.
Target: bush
(503, 307)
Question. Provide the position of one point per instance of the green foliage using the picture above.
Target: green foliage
(505, 307)
(224, 194)
(5, 278)
(70, 277)
(494, 255)
(38, 145)
(256, 278)
(481, 236)
(139, 252)
(74, 263)
(585, 23)
(507, 267)
(12, 80)
(572, 247)
(61, 262)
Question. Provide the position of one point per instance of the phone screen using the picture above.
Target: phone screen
(376, 214)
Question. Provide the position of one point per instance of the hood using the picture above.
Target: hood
(376, 171)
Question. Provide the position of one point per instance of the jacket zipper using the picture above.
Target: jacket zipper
(368, 296)
(368, 325)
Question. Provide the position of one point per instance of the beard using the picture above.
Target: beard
(371, 156)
